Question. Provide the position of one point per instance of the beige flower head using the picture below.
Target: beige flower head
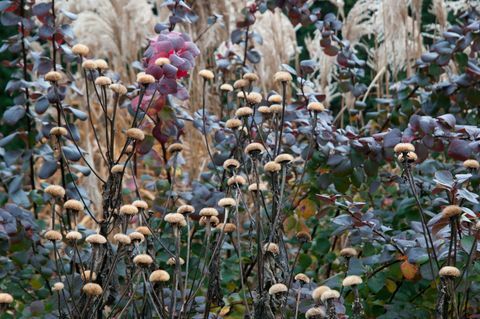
(140, 204)
(176, 219)
(92, 289)
(231, 164)
(275, 108)
(277, 288)
(55, 191)
(302, 278)
(103, 81)
(318, 292)
(118, 88)
(244, 112)
(53, 235)
(73, 235)
(128, 210)
(58, 286)
(275, 98)
(101, 64)
(236, 181)
(304, 237)
(315, 313)
(186, 209)
(80, 49)
(5, 298)
(58, 131)
(352, 281)
(348, 252)
(265, 110)
(175, 148)
(242, 83)
(233, 124)
(471, 163)
(135, 134)
(89, 65)
(208, 212)
(88, 275)
(206, 74)
(122, 239)
(271, 248)
(144, 230)
(96, 239)
(315, 107)
(117, 169)
(172, 261)
(145, 79)
(159, 276)
(211, 220)
(282, 76)
(410, 158)
(162, 61)
(227, 228)
(330, 294)
(53, 76)
(404, 148)
(249, 76)
(254, 97)
(226, 87)
(74, 205)
(284, 158)
(227, 202)
(451, 211)
(449, 271)
(254, 187)
(253, 149)
(136, 237)
(272, 167)
(143, 260)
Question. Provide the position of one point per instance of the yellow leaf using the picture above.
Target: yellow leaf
(306, 208)
(225, 310)
(391, 285)
(409, 270)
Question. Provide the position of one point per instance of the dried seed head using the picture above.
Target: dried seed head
(96, 239)
(53, 76)
(162, 61)
(144, 230)
(352, 281)
(244, 111)
(304, 237)
(249, 76)
(233, 123)
(471, 163)
(315, 313)
(212, 220)
(231, 163)
(277, 288)
(118, 88)
(145, 79)
(186, 209)
(284, 158)
(55, 191)
(89, 65)
(275, 108)
(175, 219)
(451, 211)
(404, 148)
(129, 149)
(103, 81)
(348, 252)
(58, 286)
(74, 205)
(5, 298)
(128, 210)
(226, 87)
(253, 149)
(265, 110)
(242, 83)
(315, 107)
(58, 131)
(159, 276)
(92, 289)
(318, 292)
(272, 167)
(136, 237)
(122, 239)
(411, 157)
(73, 235)
(236, 180)
(53, 235)
(227, 202)
(101, 64)
(117, 169)
(172, 261)
(140, 204)
(227, 228)
(80, 49)
(254, 97)
(449, 271)
(175, 148)
(88, 275)
(143, 260)
(275, 98)
(255, 187)
(330, 294)
(135, 134)
(208, 211)
(302, 278)
(282, 76)
(271, 248)
(206, 74)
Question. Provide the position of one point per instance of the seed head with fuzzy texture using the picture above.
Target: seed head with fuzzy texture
(449, 271)
(135, 134)
(284, 158)
(145, 79)
(302, 278)
(140, 204)
(227, 228)
(159, 276)
(143, 260)
(272, 167)
(275, 108)
(233, 123)
(411, 157)
(53, 76)
(271, 248)
(244, 111)
(55, 191)
(348, 252)
(315, 107)
(318, 292)
(275, 98)
(58, 131)
(96, 239)
(231, 163)
(315, 313)
(352, 281)
(240, 84)
(330, 294)
(128, 210)
(254, 97)
(101, 64)
(186, 209)
(175, 219)
(255, 187)
(89, 65)
(118, 88)
(58, 286)
(122, 239)
(227, 202)
(236, 180)
(265, 110)
(212, 220)
(92, 289)
(73, 235)
(282, 76)
(74, 205)
(254, 149)
(5, 298)
(226, 87)
(80, 49)
(277, 288)
(117, 169)
(471, 163)
(304, 237)
(172, 261)
(404, 148)
(206, 74)
(249, 76)
(53, 235)
(103, 81)
(162, 61)
(175, 148)
(451, 211)
(208, 211)
(136, 237)
(144, 230)
(88, 275)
